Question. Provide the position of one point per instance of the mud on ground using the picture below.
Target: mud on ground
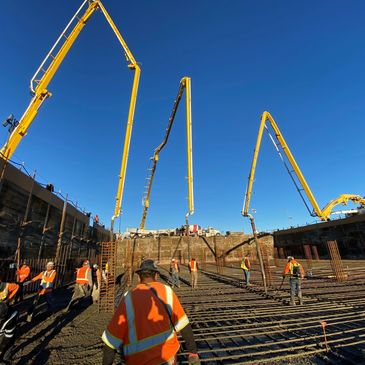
(59, 338)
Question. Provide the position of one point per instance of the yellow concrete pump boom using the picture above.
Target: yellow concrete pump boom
(46, 71)
(185, 84)
(325, 213)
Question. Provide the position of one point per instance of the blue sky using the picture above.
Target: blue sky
(302, 61)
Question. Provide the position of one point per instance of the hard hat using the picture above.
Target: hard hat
(86, 262)
(290, 258)
(50, 263)
(147, 265)
(95, 266)
(173, 260)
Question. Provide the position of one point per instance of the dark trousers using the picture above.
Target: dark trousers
(295, 290)
(39, 298)
(20, 293)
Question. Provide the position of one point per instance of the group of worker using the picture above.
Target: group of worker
(88, 282)
(175, 269)
(145, 325)
(293, 269)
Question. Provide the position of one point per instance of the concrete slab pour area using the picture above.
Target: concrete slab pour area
(232, 324)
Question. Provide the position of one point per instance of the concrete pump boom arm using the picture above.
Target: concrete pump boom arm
(342, 199)
(325, 213)
(47, 70)
(266, 116)
(185, 84)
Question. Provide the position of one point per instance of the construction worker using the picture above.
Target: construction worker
(96, 274)
(193, 269)
(7, 290)
(8, 323)
(84, 284)
(145, 324)
(46, 286)
(246, 267)
(295, 271)
(22, 275)
(174, 272)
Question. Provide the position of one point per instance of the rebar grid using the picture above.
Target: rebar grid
(336, 262)
(107, 288)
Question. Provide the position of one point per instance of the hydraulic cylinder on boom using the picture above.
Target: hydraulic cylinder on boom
(185, 84)
(45, 72)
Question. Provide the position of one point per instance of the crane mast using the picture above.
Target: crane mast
(49, 66)
(185, 85)
(323, 214)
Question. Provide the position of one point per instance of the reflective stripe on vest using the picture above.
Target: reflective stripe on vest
(193, 265)
(136, 345)
(46, 284)
(82, 275)
(4, 293)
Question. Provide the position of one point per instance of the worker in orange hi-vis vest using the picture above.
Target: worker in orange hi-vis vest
(84, 284)
(174, 272)
(193, 268)
(295, 271)
(145, 325)
(22, 275)
(46, 286)
(7, 290)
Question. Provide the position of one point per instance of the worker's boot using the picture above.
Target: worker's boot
(292, 301)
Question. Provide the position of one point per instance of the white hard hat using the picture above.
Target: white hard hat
(50, 263)
(290, 258)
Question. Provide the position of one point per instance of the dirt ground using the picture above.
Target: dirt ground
(72, 338)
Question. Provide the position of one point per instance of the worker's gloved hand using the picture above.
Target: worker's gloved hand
(193, 359)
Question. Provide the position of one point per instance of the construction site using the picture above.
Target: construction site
(256, 296)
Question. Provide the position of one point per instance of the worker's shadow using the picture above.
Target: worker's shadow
(39, 355)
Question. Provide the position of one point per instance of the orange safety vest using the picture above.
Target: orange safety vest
(47, 281)
(192, 265)
(82, 275)
(142, 327)
(289, 268)
(23, 272)
(8, 291)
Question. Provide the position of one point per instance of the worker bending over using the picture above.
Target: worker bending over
(145, 325)
(193, 269)
(246, 267)
(295, 271)
(84, 284)
(8, 323)
(7, 290)
(45, 291)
